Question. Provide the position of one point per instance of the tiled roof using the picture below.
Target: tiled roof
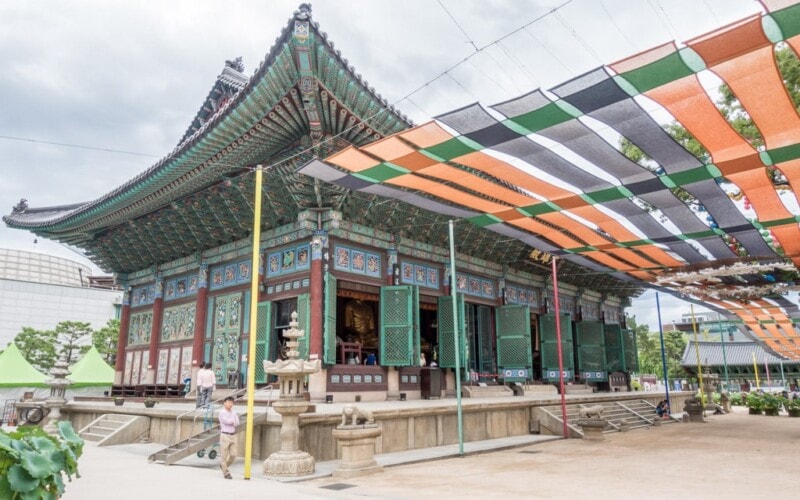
(736, 353)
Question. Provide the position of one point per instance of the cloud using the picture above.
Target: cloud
(131, 75)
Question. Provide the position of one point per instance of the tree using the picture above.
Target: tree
(73, 339)
(38, 347)
(106, 339)
(69, 339)
(649, 347)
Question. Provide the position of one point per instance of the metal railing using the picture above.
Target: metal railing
(210, 408)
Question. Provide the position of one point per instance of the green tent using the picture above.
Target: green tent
(91, 370)
(15, 371)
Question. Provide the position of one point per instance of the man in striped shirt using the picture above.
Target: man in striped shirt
(228, 420)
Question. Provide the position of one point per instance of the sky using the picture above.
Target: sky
(93, 92)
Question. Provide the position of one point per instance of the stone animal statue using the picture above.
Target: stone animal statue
(595, 411)
(356, 416)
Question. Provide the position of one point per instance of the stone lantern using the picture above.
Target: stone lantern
(58, 386)
(290, 461)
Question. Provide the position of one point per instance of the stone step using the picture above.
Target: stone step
(88, 436)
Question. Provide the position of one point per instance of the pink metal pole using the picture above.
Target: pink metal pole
(560, 352)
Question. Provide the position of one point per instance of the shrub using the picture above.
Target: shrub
(755, 401)
(33, 463)
(772, 401)
(791, 404)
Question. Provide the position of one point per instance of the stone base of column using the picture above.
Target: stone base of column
(358, 450)
(593, 428)
(289, 464)
(696, 416)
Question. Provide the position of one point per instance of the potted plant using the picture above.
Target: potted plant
(772, 404)
(792, 406)
(149, 403)
(755, 403)
(119, 401)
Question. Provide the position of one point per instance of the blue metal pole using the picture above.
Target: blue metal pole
(724, 355)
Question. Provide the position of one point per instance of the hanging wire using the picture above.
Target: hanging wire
(518, 61)
(621, 32)
(77, 146)
(547, 49)
(664, 19)
(458, 25)
(713, 14)
(578, 38)
(504, 70)
(455, 80)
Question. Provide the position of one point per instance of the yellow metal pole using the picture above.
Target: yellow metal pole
(755, 370)
(697, 353)
(251, 343)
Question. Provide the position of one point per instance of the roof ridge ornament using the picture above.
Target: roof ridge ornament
(236, 64)
(303, 11)
(20, 207)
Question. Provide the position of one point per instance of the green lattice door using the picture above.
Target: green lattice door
(630, 354)
(227, 331)
(513, 330)
(549, 347)
(304, 323)
(399, 326)
(263, 335)
(329, 354)
(613, 334)
(591, 346)
(447, 344)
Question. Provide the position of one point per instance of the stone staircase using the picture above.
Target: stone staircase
(115, 428)
(619, 415)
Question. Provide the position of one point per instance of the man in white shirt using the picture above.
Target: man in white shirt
(206, 382)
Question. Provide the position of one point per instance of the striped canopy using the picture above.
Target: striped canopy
(547, 168)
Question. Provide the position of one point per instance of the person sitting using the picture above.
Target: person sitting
(662, 409)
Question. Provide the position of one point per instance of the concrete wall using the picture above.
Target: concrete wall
(403, 429)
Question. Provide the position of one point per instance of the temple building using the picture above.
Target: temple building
(368, 276)
(357, 212)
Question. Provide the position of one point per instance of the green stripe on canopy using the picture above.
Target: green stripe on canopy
(657, 73)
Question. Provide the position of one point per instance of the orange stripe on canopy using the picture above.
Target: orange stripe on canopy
(352, 159)
(475, 183)
(426, 135)
(389, 148)
(731, 41)
(446, 192)
(757, 83)
(686, 100)
(509, 173)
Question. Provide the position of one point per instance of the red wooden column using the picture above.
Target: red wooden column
(200, 313)
(319, 246)
(155, 331)
(122, 342)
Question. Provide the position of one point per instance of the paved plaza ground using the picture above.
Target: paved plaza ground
(731, 456)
